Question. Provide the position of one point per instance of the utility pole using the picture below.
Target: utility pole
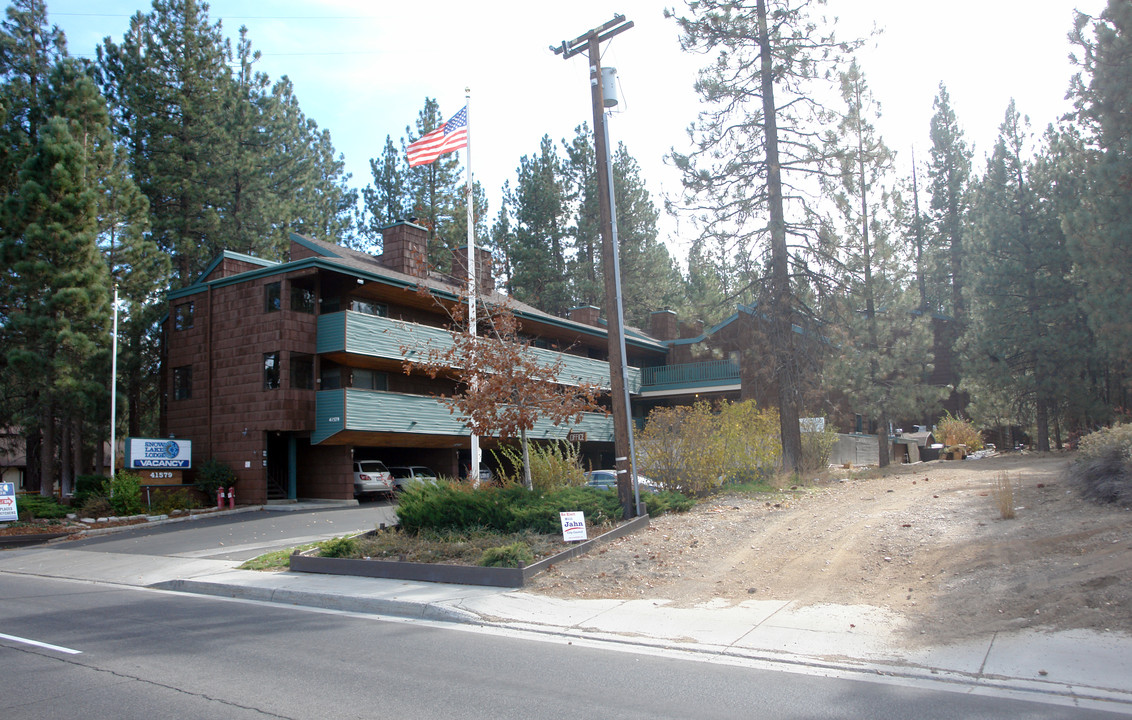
(590, 43)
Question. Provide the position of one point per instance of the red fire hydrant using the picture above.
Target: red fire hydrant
(231, 497)
(220, 498)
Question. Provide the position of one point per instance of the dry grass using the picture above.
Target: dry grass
(1004, 492)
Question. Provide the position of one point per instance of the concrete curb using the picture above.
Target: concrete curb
(325, 601)
(165, 520)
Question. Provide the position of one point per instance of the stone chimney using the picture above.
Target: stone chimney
(663, 325)
(405, 246)
(587, 315)
(484, 270)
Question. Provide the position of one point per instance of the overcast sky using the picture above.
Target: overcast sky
(362, 69)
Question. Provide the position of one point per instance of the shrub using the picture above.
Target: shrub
(816, 449)
(341, 547)
(1104, 442)
(96, 506)
(751, 445)
(1004, 493)
(86, 486)
(38, 506)
(213, 475)
(955, 430)
(170, 500)
(1103, 470)
(553, 465)
(514, 555)
(446, 507)
(124, 493)
(682, 449)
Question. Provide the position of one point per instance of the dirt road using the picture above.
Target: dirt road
(926, 541)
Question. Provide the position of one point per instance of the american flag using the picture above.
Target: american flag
(452, 136)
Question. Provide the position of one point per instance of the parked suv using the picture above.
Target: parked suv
(406, 475)
(371, 477)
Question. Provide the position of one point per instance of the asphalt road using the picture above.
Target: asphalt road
(241, 536)
(133, 653)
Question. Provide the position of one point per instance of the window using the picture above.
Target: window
(183, 382)
(331, 378)
(183, 316)
(271, 301)
(302, 372)
(302, 298)
(369, 380)
(370, 308)
(270, 370)
(329, 305)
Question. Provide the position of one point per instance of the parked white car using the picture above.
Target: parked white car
(372, 477)
(405, 475)
(607, 480)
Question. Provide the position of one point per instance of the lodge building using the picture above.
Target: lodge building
(288, 372)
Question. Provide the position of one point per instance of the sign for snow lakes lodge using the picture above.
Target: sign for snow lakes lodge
(159, 461)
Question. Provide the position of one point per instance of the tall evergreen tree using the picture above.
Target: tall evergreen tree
(882, 344)
(538, 250)
(227, 161)
(385, 200)
(1101, 224)
(58, 297)
(1025, 333)
(754, 147)
(949, 175)
(650, 279)
(168, 82)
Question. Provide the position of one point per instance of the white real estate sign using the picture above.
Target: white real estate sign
(8, 511)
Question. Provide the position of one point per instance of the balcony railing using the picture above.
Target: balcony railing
(375, 336)
(690, 375)
(377, 411)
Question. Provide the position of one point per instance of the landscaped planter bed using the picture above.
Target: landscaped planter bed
(458, 574)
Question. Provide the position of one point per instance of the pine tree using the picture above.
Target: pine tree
(650, 279)
(1025, 334)
(385, 201)
(168, 83)
(753, 147)
(949, 174)
(538, 250)
(58, 297)
(881, 343)
(1101, 224)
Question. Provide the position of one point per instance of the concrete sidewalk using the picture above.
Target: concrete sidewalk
(1078, 668)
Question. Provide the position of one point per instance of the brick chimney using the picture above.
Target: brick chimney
(587, 315)
(405, 246)
(663, 325)
(484, 270)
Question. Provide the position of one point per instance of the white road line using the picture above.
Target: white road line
(36, 643)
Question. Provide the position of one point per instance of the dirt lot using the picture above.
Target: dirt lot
(925, 540)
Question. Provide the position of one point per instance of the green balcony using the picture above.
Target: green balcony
(690, 377)
(373, 336)
(353, 410)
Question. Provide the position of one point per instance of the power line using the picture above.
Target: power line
(236, 17)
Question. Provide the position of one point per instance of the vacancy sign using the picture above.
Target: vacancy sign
(573, 526)
(8, 503)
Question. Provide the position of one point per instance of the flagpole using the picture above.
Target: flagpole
(114, 389)
(475, 440)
